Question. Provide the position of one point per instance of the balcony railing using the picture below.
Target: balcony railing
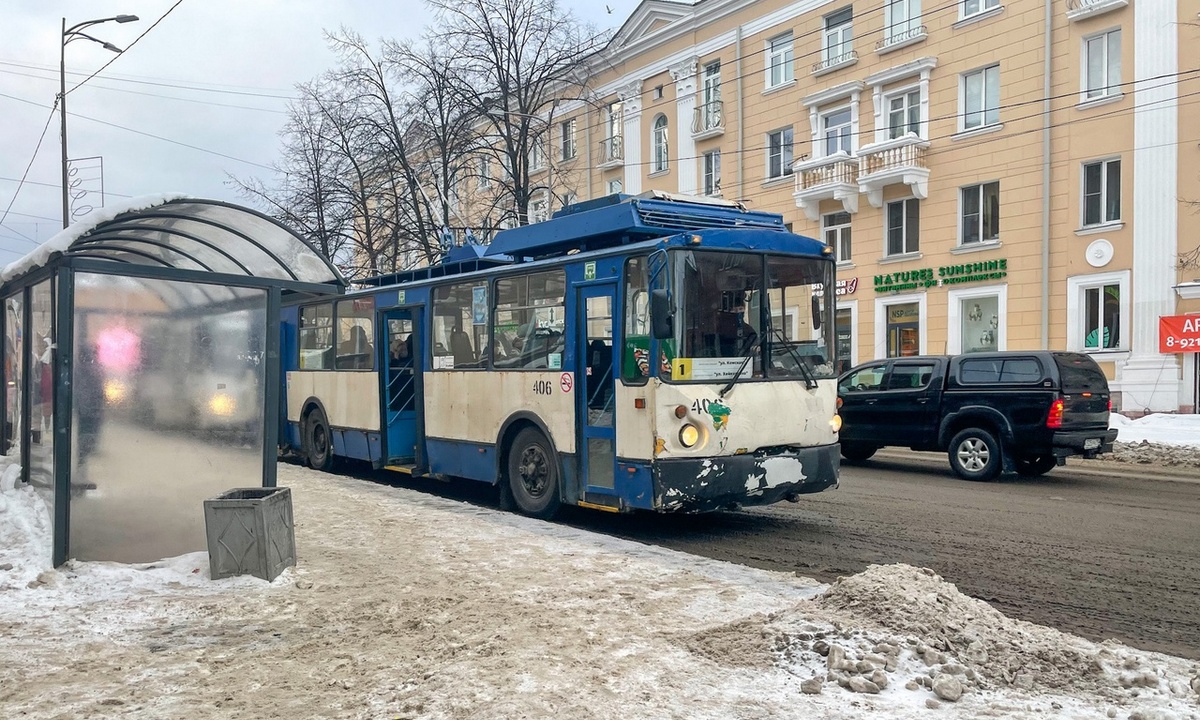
(903, 160)
(1080, 9)
(900, 34)
(708, 119)
(612, 151)
(840, 168)
(835, 61)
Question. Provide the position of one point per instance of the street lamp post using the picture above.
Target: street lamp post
(69, 34)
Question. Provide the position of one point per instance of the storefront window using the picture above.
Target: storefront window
(980, 323)
(844, 338)
(903, 330)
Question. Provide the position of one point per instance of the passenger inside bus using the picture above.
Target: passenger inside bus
(355, 351)
(460, 347)
(600, 382)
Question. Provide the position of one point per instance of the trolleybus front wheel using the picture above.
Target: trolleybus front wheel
(533, 474)
(317, 444)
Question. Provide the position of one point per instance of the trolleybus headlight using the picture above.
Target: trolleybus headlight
(836, 423)
(689, 435)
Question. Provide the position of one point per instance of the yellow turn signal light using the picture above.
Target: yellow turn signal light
(836, 423)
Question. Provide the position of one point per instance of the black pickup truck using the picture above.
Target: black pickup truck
(1013, 411)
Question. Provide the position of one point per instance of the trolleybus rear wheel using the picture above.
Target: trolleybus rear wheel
(533, 474)
(317, 442)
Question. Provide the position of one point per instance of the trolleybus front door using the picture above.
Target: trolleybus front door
(594, 396)
(401, 391)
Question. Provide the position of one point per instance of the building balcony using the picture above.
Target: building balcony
(1082, 9)
(708, 120)
(612, 153)
(901, 161)
(835, 62)
(834, 177)
(899, 36)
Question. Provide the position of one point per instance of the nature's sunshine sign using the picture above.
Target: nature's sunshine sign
(945, 275)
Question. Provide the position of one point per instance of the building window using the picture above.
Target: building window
(712, 82)
(903, 18)
(1097, 312)
(659, 144)
(538, 210)
(903, 226)
(614, 187)
(567, 128)
(980, 213)
(1102, 64)
(537, 153)
(485, 172)
(779, 153)
(1101, 192)
(569, 199)
(904, 330)
(974, 7)
(839, 35)
(981, 97)
(780, 68)
(837, 132)
(979, 323)
(712, 172)
(836, 229)
(904, 114)
(843, 324)
(612, 119)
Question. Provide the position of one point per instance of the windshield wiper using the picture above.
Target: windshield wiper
(741, 368)
(810, 380)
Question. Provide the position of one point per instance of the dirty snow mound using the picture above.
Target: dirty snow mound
(26, 530)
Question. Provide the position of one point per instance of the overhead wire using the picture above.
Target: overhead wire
(25, 175)
(127, 48)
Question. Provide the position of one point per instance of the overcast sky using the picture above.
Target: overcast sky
(214, 75)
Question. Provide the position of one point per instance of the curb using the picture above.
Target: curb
(1077, 466)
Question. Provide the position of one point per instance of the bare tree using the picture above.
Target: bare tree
(523, 59)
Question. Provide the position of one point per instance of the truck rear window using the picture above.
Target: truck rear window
(1080, 374)
(999, 370)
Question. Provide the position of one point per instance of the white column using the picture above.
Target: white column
(631, 107)
(1149, 380)
(684, 75)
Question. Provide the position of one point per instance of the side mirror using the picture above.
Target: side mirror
(816, 312)
(661, 315)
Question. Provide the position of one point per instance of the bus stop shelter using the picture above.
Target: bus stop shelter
(141, 368)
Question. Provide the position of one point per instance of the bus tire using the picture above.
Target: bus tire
(533, 474)
(318, 443)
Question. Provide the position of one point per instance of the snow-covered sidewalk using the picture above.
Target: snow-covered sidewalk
(406, 605)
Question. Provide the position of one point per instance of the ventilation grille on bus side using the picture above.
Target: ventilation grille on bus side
(687, 221)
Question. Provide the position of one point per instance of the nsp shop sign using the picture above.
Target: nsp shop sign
(1178, 334)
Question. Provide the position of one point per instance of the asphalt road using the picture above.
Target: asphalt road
(1097, 554)
(1104, 551)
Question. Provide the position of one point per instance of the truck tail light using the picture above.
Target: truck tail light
(1055, 417)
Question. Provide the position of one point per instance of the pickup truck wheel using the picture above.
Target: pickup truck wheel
(857, 452)
(1036, 465)
(975, 455)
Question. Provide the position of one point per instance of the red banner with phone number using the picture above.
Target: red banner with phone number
(1178, 334)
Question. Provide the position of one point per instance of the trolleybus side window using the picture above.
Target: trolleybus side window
(460, 326)
(355, 328)
(635, 355)
(316, 337)
(529, 321)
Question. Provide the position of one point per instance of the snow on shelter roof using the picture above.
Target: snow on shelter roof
(175, 231)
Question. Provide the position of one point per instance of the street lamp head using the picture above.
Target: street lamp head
(126, 18)
(114, 48)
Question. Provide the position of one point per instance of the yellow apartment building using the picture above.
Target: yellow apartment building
(992, 174)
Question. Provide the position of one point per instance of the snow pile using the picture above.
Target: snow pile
(26, 530)
(1158, 439)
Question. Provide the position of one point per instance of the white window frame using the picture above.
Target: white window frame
(886, 228)
(660, 159)
(786, 157)
(537, 153)
(978, 188)
(881, 306)
(1076, 286)
(614, 119)
(895, 25)
(955, 298)
(567, 144)
(837, 41)
(781, 66)
(849, 128)
(712, 173)
(485, 172)
(712, 82)
(1103, 163)
(841, 238)
(539, 209)
(1110, 85)
(615, 186)
(980, 7)
(905, 94)
(981, 112)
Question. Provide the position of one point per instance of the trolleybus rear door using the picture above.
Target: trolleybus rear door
(594, 396)
(401, 387)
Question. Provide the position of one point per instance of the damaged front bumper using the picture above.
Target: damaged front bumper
(761, 478)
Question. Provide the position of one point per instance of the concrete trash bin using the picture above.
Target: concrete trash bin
(250, 532)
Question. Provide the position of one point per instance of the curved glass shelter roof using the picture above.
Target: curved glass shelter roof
(205, 236)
